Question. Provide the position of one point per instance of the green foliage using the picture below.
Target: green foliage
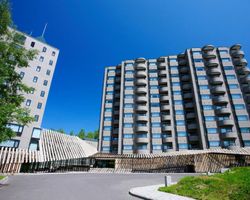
(12, 55)
(2, 177)
(61, 131)
(231, 185)
(71, 133)
(81, 134)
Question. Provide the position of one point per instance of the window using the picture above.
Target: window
(181, 133)
(128, 136)
(233, 86)
(51, 62)
(180, 122)
(207, 107)
(128, 115)
(196, 52)
(141, 135)
(129, 79)
(127, 125)
(111, 70)
(211, 130)
(225, 59)
(239, 106)
(41, 59)
(179, 112)
(176, 92)
(155, 104)
(153, 79)
(214, 143)
(36, 132)
(127, 147)
(156, 124)
(245, 130)
(242, 117)
(129, 72)
(39, 105)
(226, 130)
(175, 84)
(154, 95)
(32, 91)
(18, 129)
(174, 75)
(129, 96)
(152, 63)
(156, 135)
(106, 138)
(236, 96)
(173, 67)
(38, 68)
(45, 82)
(246, 143)
(205, 96)
(107, 118)
(156, 147)
(202, 78)
(183, 146)
(22, 75)
(107, 128)
(178, 102)
(143, 146)
(35, 79)
(108, 109)
(109, 85)
(230, 77)
(44, 49)
(128, 105)
(152, 87)
(200, 69)
(32, 44)
(228, 68)
(48, 72)
(109, 101)
(10, 143)
(223, 51)
(129, 87)
(111, 78)
(106, 149)
(36, 118)
(42, 94)
(28, 102)
(173, 59)
(229, 143)
(209, 118)
(203, 87)
(129, 64)
(198, 60)
(53, 53)
(155, 114)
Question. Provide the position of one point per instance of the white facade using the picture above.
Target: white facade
(39, 76)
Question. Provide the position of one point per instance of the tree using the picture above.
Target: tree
(71, 133)
(61, 131)
(81, 134)
(12, 55)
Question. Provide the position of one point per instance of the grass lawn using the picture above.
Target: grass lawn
(233, 184)
(2, 177)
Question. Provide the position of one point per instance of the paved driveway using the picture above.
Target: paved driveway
(77, 186)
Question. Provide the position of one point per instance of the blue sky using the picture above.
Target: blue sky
(92, 34)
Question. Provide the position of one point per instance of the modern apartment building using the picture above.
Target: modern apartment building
(198, 99)
(39, 76)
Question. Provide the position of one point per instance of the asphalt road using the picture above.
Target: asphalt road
(77, 186)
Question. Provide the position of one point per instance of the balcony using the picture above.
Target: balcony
(141, 90)
(189, 105)
(222, 112)
(212, 63)
(209, 55)
(140, 60)
(165, 117)
(214, 72)
(165, 107)
(237, 54)
(246, 89)
(141, 82)
(167, 128)
(193, 138)
(141, 140)
(226, 122)
(245, 79)
(141, 99)
(141, 108)
(185, 78)
(184, 70)
(162, 73)
(187, 86)
(241, 62)
(182, 62)
(161, 59)
(163, 90)
(190, 116)
(162, 66)
(142, 151)
(216, 81)
(188, 96)
(164, 98)
(141, 74)
(141, 66)
(192, 126)
(220, 100)
(235, 47)
(229, 135)
(141, 118)
(208, 48)
(163, 81)
(220, 90)
(141, 129)
(167, 139)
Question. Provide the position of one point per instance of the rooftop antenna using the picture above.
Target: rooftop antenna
(44, 29)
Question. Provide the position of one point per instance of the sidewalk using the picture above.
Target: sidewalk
(151, 193)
